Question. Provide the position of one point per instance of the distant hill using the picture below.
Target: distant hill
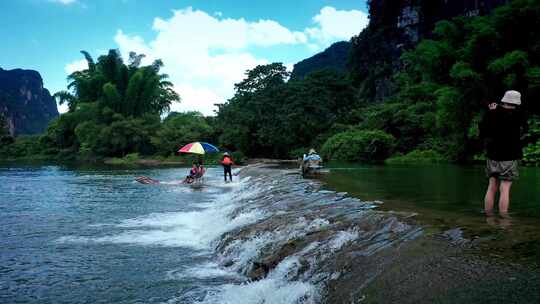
(334, 57)
(27, 106)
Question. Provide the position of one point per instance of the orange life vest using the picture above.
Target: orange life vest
(227, 161)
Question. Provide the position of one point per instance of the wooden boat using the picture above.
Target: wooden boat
(312, 170)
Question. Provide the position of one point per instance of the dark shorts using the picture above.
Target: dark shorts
(503, 170)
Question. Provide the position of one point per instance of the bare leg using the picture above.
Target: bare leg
(490, 195)
(504, 200)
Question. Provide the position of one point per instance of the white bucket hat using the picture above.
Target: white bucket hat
(512, 97)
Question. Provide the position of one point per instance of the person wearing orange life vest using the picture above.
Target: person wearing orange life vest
(227, 163)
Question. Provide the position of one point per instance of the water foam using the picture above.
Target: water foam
(277, 288)
(194, 229)
(243, 252)
(209, 270)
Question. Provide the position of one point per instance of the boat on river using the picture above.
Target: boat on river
(196, 183)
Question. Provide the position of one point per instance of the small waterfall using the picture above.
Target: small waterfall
(269, 237)
(292, 250)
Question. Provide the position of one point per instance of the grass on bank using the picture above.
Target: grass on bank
(417, 157)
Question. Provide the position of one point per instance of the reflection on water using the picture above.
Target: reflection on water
(459, 189)
(449, 196)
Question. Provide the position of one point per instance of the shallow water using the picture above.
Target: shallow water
(458, 189)
(449, 199)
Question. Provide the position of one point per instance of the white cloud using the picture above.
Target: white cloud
(65, 2)
(77, 65)
(196, 99)
(206, 54)
(334, 25)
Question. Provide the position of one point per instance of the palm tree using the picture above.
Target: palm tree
(130, 90)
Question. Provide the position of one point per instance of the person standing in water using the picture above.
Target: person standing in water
(501, 129)
(227, 163)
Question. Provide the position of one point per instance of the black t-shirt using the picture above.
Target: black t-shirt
(501, 129)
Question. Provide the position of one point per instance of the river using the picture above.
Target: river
(93, 235)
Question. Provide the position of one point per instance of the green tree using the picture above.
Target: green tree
(270, 117)
(130, 90)
(4, 131)
(114, 107)
(368, 146)
(179, 129)
(444, 83)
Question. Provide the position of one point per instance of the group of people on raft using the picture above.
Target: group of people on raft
(197, 169)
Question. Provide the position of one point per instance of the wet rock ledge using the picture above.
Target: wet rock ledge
(346, 251)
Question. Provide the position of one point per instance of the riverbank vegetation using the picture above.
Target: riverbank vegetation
(115, 110)
(438, 93)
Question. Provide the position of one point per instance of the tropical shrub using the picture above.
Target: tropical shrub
(531, 152)
(417, 156)
(365, 145)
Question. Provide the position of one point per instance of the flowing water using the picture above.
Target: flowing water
(93, 235)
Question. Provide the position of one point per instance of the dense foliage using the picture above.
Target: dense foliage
(114, 109)
(366, 146)
(269, 117)
(5, 137)
(440, 90)
(446, 82)
(181, 128)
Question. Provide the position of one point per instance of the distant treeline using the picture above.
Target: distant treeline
(439, 94)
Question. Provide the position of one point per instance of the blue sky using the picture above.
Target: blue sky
(206, 45)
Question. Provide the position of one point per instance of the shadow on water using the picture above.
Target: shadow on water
(445, 197)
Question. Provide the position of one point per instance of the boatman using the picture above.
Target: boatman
(501, 129)
(227, 163)
(310, 161)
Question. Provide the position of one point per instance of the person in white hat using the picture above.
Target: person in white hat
(501, 129)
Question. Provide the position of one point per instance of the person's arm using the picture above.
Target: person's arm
(524, 128)
(486, 124)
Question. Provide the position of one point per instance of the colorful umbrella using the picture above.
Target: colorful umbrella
(198, 148)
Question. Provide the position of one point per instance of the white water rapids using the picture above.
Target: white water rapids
(270, 237)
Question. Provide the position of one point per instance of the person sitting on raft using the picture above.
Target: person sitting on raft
(311, 161)
(192, 174)
(200, 169)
